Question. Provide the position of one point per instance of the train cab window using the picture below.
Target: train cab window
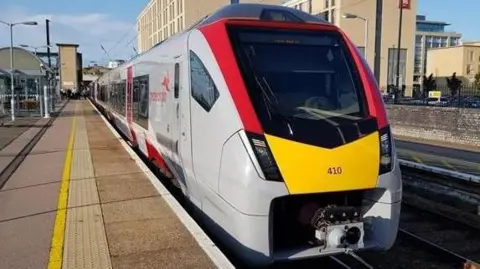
(303, 84)
(177, 80)
(204, 90)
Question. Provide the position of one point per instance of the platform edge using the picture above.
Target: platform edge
(441, 171)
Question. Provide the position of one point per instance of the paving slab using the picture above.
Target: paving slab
(85, 240)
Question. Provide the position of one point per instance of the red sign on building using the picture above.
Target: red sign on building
(405, 4)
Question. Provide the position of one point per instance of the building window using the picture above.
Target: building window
(326, 15)
(361, 50)
(203, 89)
(392, 66)
(333, 17)
(326, 4)
(470, 55)
(469, 69)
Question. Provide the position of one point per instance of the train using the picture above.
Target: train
(271, 123)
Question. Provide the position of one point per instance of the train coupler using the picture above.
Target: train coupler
(338, 227)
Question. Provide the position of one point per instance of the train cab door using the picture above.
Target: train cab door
(180, 134)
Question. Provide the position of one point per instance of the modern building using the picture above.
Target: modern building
(463, 59)
(358, 20)
(430, 34)
(161, 19)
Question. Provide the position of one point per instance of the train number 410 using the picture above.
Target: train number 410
(335, 170)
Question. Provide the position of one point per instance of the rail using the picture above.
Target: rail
(444, 253)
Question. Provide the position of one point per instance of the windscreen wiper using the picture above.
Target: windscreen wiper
(273, 107)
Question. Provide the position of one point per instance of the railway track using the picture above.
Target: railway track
(452, 241)
(453, 198)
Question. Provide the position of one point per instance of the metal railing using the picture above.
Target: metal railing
(441, 96)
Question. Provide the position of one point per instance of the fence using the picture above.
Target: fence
(441, 116)
(28, 95)
(467, 96)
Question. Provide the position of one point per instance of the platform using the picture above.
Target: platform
(81, 199)
(452, 157)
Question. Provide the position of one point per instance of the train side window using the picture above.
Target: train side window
(141, 83)
(203, 88)
(123, 88)
(177, 80)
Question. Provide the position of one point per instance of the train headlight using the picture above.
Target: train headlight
(386, 158)
(265, 157)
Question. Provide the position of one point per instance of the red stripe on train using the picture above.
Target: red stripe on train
(132, 133)
(375, 103)
(217, 37)
(156, 157)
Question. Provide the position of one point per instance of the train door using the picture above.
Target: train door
(181, 133)
(129, 96)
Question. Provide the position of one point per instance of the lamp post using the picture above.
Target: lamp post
(34, 48)
(353, 16)
(12, 86)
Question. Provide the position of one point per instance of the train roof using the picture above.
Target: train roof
(261, 12)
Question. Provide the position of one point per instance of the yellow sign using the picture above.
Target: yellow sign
(434, 94)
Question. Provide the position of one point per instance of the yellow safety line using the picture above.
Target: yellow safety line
(418, 160)
(56, 248)
(448, 165)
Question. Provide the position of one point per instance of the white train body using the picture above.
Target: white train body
(184, 104)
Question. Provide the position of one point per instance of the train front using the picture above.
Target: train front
(325, 135)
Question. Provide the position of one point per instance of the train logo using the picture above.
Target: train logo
(166, 82)
(161, 96)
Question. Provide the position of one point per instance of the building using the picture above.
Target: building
(114, 63)
(430, 34)
(463, 59)
(161, 19)
(359, 25)
(70, 66)
(92, 73)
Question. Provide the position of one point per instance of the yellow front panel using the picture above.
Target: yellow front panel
(310, 169)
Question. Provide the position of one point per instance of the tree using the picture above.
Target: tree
(454, 84)
(429, 84)
(477, 81)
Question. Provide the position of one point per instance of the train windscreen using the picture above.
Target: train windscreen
(303, 84)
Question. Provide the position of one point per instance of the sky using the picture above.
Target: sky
(111, 23)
